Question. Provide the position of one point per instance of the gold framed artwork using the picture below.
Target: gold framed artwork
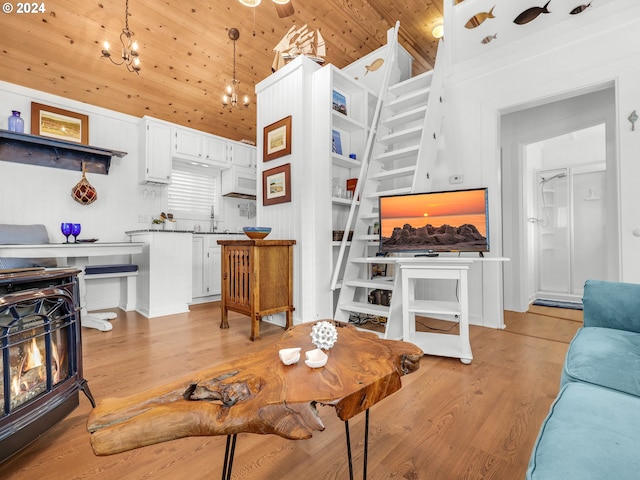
(277, 139)
(59, 124)
(276, 185)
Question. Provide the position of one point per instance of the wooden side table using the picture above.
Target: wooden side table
(257, 280)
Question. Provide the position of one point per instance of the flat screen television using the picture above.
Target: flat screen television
(452, 221)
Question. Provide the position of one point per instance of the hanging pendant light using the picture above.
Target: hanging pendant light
(130, 56)
(231, 95)
(283, 7)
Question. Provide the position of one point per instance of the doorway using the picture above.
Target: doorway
(534, 270)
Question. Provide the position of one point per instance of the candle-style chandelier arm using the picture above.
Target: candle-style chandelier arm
(231, 95)
(130, 56)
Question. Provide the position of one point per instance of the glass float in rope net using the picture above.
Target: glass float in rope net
(84, 193)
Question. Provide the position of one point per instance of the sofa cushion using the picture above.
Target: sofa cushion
(111, 268)
(590, 433)
(24, 235)
(605, 357)
(612, 305)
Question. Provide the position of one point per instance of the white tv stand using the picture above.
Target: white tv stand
(414, 269)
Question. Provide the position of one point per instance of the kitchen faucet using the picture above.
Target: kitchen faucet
(213, 223)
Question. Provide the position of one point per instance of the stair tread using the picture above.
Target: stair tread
(385, 283)
(412, 83)
(397, 154)
(411, 99)
(398, 172)
(385, 193)
(369, 308)
(402, 135)
(406, 117)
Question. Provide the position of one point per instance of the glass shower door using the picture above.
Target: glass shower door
(571, 230)
(553, 232)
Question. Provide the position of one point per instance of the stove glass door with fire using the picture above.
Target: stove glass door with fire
(41, 354)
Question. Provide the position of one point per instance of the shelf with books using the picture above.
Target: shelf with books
(342, 110)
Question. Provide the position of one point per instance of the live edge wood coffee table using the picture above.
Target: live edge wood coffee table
(258, 394)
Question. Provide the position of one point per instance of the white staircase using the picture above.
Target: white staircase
(402, 153)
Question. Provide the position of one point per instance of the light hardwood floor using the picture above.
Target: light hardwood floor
(449, 421)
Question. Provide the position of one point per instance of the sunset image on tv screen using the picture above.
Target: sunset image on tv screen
(440, 221)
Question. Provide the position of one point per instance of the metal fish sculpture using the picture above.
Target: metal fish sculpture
(580, 9)
(478, 18)
(377, 63)
(488, 39)
(531, 14)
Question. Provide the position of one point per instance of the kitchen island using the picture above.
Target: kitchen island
(176, 269)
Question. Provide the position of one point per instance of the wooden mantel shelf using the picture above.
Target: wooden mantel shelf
(49, 152)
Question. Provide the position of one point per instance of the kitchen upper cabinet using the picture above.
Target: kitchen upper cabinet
(187, 144)
(216, 151)
(239, 182)
(155, 151)
(241, 155)
(201, 147)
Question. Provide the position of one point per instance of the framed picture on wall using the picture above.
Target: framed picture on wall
(58, 123)
(276, 185)
(277, 139)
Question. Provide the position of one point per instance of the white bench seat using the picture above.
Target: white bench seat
(119, 270)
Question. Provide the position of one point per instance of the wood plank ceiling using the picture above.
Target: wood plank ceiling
(186, 54)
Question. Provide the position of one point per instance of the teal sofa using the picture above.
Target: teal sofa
(592, 430)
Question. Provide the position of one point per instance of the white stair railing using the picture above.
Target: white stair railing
(391, 57)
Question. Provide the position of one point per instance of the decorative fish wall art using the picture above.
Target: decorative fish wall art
(377, 63)
(478, 18)
(580, 9)
(489, 38)
(531, 14)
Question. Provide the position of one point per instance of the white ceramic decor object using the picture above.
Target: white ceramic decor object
(324, 334)
(289, 356)
(315, 358)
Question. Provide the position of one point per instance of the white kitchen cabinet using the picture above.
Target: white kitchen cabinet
(241, 155)
(197, 266)
(238, 182)
(164, 272)
(186, 144)
(214, 261)
(192, 145)
(216, 151)
(155, 151)
(206, 266)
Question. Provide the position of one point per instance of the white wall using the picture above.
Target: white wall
(576, 54)
(289, 92)
(35, 194)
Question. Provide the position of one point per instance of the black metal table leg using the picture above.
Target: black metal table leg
(366, 443)
(228, 456)
(366, 446)
(346, 431)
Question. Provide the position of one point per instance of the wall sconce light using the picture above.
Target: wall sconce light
(438, 31)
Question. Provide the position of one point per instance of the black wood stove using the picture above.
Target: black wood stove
(41, 354)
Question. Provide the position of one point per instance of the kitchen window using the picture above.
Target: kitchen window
(193, 191)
